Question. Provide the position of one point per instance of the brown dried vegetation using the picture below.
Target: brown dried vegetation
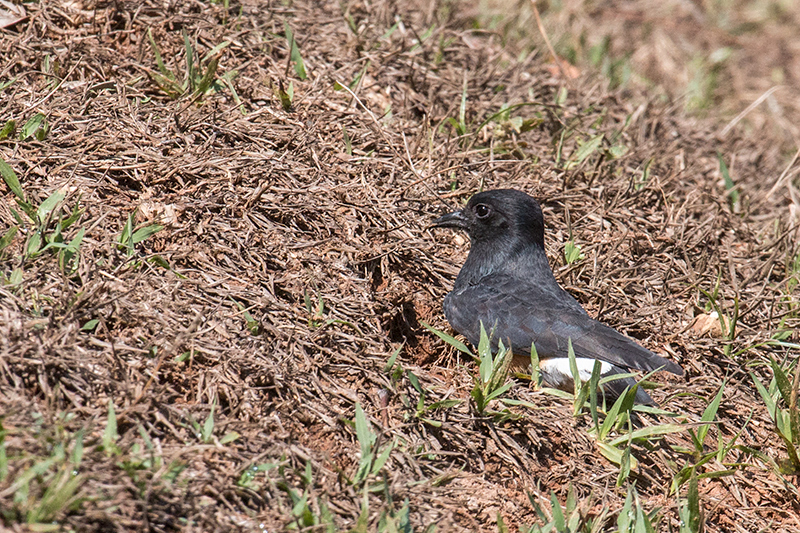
(299, 259)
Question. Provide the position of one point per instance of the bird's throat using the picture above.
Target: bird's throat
(498, 257)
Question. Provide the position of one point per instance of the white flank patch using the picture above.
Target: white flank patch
(557, 371)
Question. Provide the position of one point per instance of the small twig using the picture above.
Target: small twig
(749, 108)
(408, 154)
(783, 175)
(58, 86)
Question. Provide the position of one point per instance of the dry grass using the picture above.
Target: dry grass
(269, 211)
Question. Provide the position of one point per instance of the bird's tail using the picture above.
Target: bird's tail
(556, 373)
(617, 387)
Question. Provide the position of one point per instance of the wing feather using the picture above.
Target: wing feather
(521, 313)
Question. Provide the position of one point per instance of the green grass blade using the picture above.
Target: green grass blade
(73, 217)
(32, 126)
(455, 343)
(709, 414)
(500, 366)
(382, 458)
(48, 206)
(208, 425)
(392, 358)
(485, 355)
(8, 237)
(143, 233)
(171, 88)
(34, 244)
(294, 52)
(611, 416)
(499, 391)
(730, 187)
(536, 376)
(10, 177)
(586, 149)
(693, 504)
(781, 380)
(625, 514)
(594, 383)
(614, 454)
(159, 61)
(765, 395)
(648, 432)
(216, 50)
(190, 70)
(363, 431)
(68, 254)
(573, 368)
(208, 77)
(558, 513)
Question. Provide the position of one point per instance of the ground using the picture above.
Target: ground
(217, 264)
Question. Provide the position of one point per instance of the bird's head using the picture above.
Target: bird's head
(498, 215)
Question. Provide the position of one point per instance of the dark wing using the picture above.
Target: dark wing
(544, 314)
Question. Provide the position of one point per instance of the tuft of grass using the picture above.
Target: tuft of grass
(131, 235)
(574, 516)
(205, 432)
(781, 399)
(613, 433)
(42, 489)
(690, 513)
(373, 455)
(701, 457)
(251, 323)
(585, 149)
(294, 53)
(491, 382)
(567, 519)
(36, 127)
(492, 379)
(423, 411)
(633, 518)
(572, 252)
(199, 76)
(45, 225)
(305, 510)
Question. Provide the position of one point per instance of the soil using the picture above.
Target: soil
(206, 377)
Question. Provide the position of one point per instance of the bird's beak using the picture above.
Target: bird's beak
(451, 220)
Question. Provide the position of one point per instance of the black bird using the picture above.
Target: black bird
(506, 284)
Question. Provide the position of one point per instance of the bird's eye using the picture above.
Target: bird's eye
(482, 210)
